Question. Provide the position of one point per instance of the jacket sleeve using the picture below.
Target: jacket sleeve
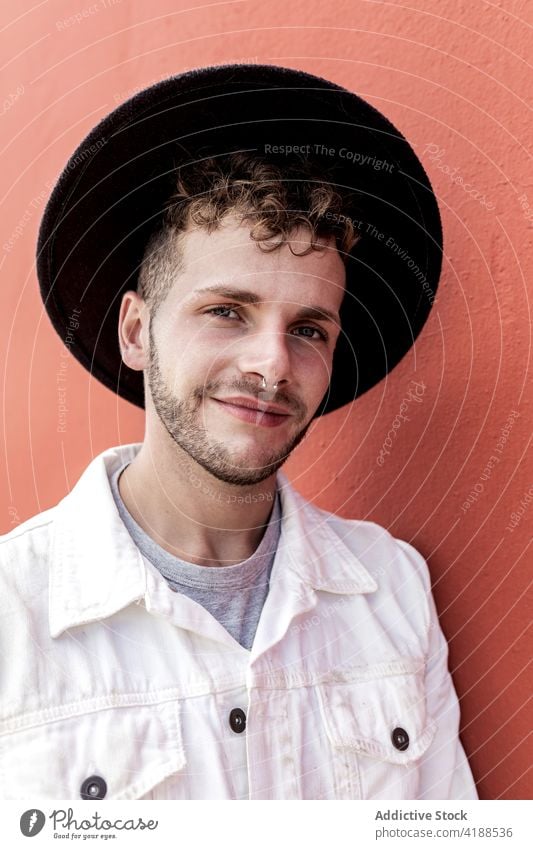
(444, 769)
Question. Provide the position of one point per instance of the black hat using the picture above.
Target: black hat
(110, 196)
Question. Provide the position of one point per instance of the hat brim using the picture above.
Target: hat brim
(110, 196)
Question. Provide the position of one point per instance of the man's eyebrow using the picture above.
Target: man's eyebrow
(247, 297)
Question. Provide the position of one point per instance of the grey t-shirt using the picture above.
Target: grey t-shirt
(232, 594)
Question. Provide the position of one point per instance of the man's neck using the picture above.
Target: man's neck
(192, 514)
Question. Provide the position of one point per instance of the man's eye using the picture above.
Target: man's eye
(321, 333)
(213, 310)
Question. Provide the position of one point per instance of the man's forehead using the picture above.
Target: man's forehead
(228, 262)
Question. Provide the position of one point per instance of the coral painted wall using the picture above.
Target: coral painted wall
(454, 78)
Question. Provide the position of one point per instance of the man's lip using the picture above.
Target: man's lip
(254, 405)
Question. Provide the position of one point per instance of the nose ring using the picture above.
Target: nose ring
(264, 385)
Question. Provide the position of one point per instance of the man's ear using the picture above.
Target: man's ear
(133, 331)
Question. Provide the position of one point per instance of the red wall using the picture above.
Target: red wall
(454, 78)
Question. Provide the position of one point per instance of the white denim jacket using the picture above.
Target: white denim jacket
(106, 672)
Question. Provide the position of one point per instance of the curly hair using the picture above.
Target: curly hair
(275, 200)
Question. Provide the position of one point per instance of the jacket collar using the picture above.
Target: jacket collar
(96, 569)
(315, 547)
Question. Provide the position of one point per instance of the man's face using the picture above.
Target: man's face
(206, 347)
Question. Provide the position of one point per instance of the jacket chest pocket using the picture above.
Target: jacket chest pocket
(107, 753)
(378, 730)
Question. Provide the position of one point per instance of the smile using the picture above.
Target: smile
(256, 417)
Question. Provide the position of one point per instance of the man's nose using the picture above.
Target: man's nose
(268, 355)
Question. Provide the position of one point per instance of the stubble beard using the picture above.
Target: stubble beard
(181, 421)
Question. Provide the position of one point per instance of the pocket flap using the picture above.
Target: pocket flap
(132, 748)
(381, 717)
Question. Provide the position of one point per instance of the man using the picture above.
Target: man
(183, 624)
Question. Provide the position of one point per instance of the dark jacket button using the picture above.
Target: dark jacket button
(400, 739)
(237, 720)
(93, 787)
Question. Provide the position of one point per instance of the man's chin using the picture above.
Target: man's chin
(251, 463)
(243, 476)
